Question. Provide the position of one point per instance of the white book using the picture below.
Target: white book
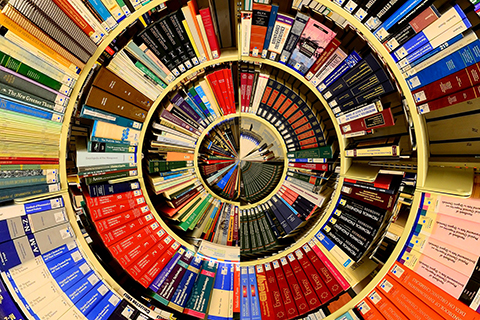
(259, 89)
(334, 61)
(114, 9)
(56, 308)
(280, 32)
(316, 199)
(246, 32)
(72, 314)
(204, 36)
(193, 31)
(100, 31)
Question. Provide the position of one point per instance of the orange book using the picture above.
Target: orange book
(12, 26)
(260, 18)
(236, 287)
(192, 5)
(368, 310)
(388, 310)
(448, 306)
(179, 156)
(411, 306)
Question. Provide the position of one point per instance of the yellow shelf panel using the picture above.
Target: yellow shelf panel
(362, 172)
(450, 181)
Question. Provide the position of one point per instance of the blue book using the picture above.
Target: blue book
(381, 33)
(105, 307)
(65, 262)
(290, 216)
(72, 276)
(106, 189)
(244, 296)
(182, 292)
(268, 35)
(347, 64)
(81, 287)
(434, 51)
(31, 111)
(9, 309)
(92, 298)
(100, 115)
(255, 312)
(457, 61)
(198, 102)
(157, 283)
(196, 108)
(204, 99)
(222, 289)
(101, 9)
(222, 183)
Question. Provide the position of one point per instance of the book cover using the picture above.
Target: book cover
(287, 298)
(281, 30)
(313, 40)
(260, 20)
(301, 20)
(276, 295)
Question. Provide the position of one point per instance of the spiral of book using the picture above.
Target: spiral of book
(221, 159)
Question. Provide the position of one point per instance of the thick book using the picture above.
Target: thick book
(324, 56)
(260, 20)
(269, 33)
(281, 30)
(379, 147)
(378, 120)
(313, 40)
(301, 20)
(278, 305)
(452, 99)
(197, 304)
(210, 31)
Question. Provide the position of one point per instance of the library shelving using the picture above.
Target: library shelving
(438, 181)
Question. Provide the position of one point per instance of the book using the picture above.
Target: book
(313, 40)
(295, 32)
(260, 20)
(281, 30)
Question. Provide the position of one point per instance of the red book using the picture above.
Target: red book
(378, 120)
(147, 278)
(461, 96)
(368, 310)
(113, 236)
(378, 199)
(310, 145)
(134, 247)
(302, 125)
(275, 294)
(279, 102)
(114, 221)
(25, 160)
(343, 283)
(212, 79)
(75, 16)
(142, 265)
(101, 212)
(107, 200)
(285, 106)
(222, 85)
(227, 72)
(210, 31)
(315, 279)
(260, 17)
(129, 242)
(264, 297)
(293, 110)
(312, 166)
(331, 283)
(324, 56)
(236, 287)
(243, 89)
(248, 95)
(235, 225)
(382, 181)
(295, 289)
(305, 285)
(287, 296)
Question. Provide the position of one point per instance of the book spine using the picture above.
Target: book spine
(246, 27)
(389, 22)
(276, 295)
(268, 35)
(461, 96)
(210, 31)
(326, 54)
(260, 19)
(297, 28)
(379, 120)
(281, 30)
(28, 98)
(286, 294)
(340, 63)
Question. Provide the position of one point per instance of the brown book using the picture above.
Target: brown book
(109, 81)
(103, 100)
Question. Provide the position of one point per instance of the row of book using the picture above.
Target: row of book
(361, 214)
(45, 270)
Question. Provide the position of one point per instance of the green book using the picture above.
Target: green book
(320, 152)
(197, 303)
(110, 176)
(316, 181)
(187, 223)
(28, 98)
(28, 181)
(29, 72)
(95, 146)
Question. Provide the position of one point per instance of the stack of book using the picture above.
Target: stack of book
(362, 213)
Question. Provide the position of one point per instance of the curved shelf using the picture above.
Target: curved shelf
(346, 163)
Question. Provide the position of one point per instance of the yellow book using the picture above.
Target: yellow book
(187, 29)
(37, 43)
(170, 124)
(167, 194)
(112, 131)
(211, 98)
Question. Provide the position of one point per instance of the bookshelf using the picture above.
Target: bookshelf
(443, 177)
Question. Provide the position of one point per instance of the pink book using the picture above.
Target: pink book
(468, 209)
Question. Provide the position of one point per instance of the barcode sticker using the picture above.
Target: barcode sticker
(397, 271)
(363, 307)
(374, 297)
(386, 285)
(420, 96)
(114, 300)
(93, 279)
(60, 216)
(76, 256)
(85, 268)
(103, 289)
